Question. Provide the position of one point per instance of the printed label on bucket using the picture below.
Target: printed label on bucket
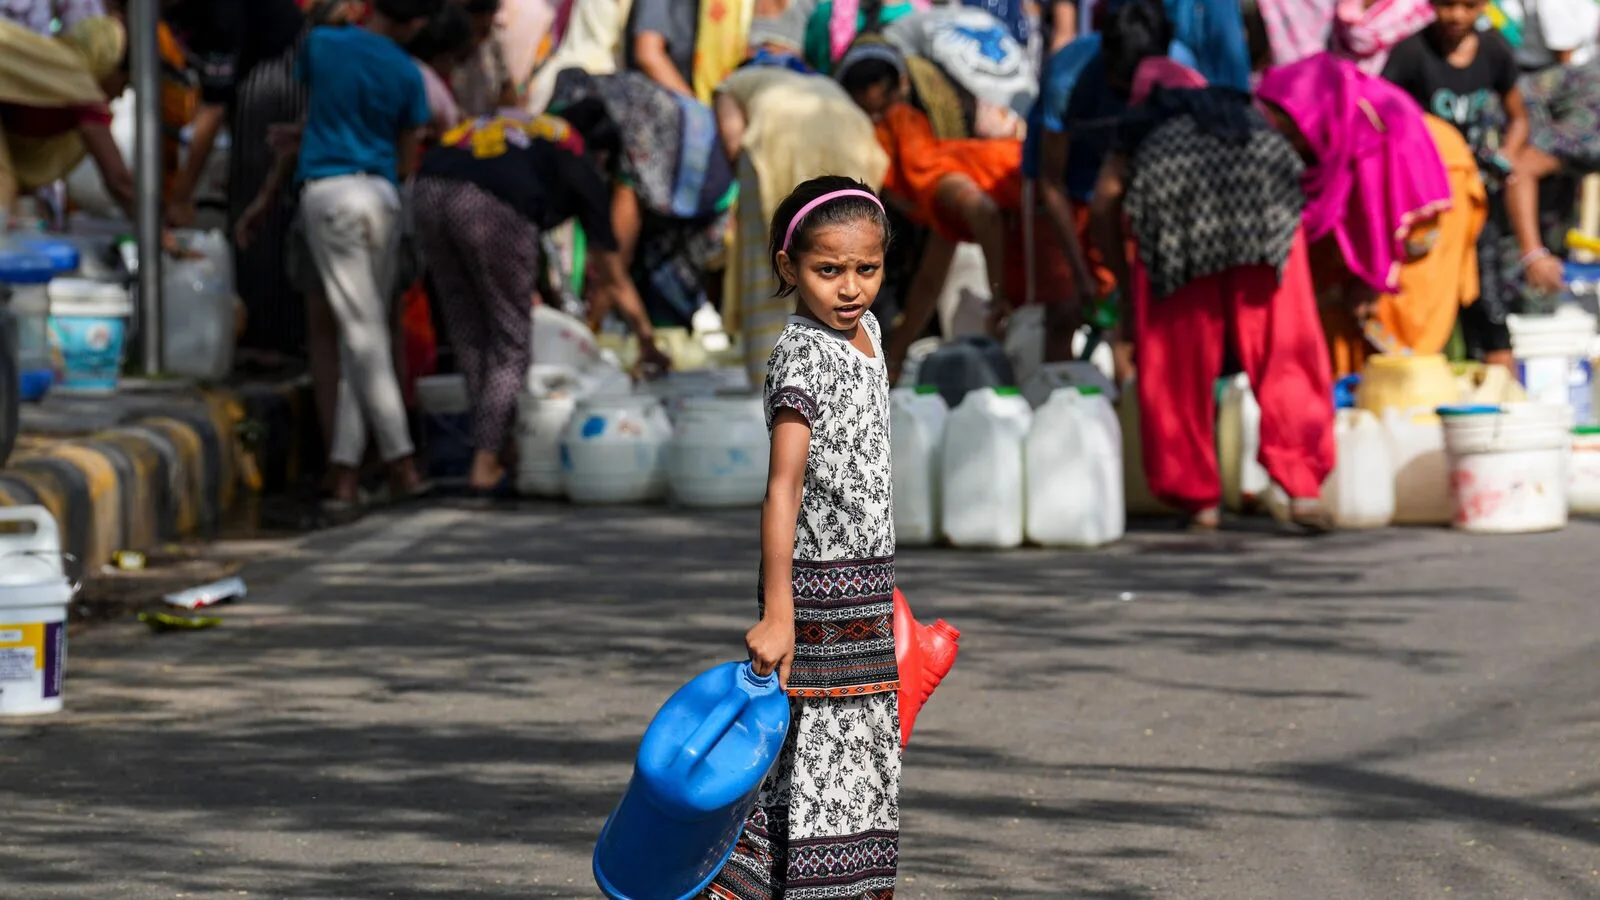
(32, 663)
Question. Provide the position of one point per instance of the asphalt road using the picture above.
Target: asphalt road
(445, 704)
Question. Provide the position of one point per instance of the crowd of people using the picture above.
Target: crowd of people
(406, 174)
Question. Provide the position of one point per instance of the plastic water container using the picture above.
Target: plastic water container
(563, 341)
(1026, 339)
(1406, 382)
(25, 279)
(963, 302)
(214, 248)
(1421, 469)
(920, 349)
(63, 255)
(1073, 464)
(34, 594)
(1135, 484)
(614, 450)
(916, 430)
(1508, 466)
(981, 483)
(1244, 479)
(675, 389)
(1359, 492)
(719, 452)
(543, 412)
(694, 783)
(964, 365)
(1583, 473)
(197, 319)
(89, 328)
(446, 425)
(1048, 378)
(1553, 358)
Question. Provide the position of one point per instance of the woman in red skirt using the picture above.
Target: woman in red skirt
(1212, 195)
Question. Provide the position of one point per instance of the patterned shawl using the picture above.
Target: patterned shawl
(1212, 187)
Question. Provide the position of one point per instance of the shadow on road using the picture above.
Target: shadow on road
(457, 720)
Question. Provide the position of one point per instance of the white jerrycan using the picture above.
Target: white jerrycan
(1074, 471)
(916, 429)
(982, 486)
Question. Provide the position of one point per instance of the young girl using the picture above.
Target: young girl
(826, 822)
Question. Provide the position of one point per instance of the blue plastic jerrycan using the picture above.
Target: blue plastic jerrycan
(695, 781)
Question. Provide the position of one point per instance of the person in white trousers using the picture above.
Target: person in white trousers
(365, 105)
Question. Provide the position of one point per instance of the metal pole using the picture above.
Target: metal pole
(143, 18)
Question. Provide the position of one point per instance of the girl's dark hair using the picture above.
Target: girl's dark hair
(843, 211)
(1134, 32)
(482, 7)
(449, 31)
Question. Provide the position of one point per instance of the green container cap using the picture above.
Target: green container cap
(926, 389)
(1008, 391)
(1587, 430)
(1089, 390)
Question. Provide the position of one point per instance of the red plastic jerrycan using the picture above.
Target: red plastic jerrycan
(699, 767)
(925, 655)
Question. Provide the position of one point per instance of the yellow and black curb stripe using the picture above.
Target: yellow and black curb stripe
(155, 479)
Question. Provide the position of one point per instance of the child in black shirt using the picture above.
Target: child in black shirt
(1468, 78)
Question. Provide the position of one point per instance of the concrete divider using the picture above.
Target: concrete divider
(168, 469)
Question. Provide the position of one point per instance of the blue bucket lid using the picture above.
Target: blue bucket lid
(24, 267)
(1470, 409)
(62, 254)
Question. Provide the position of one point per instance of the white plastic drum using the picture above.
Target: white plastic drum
(719, 452)
(1508, 466)
(614, 450)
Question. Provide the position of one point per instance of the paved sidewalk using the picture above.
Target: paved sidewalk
(445, 704)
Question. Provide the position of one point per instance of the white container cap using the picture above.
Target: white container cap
(83, 297)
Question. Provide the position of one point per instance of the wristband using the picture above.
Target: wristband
(1533, 256)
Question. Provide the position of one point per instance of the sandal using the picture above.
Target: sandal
(1205, 521)
(1299, 515)
(338, 512)
(504, 489)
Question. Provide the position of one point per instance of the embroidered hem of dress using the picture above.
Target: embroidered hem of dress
(860, 690)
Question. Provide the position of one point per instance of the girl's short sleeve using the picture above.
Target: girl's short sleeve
(792, 379)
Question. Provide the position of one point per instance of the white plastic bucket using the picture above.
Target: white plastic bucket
(1508, 466)
(1553, 358)
(719, 452)
(1583, 473)
(89, 328)
(34, 594)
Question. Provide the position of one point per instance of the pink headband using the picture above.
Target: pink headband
(806, 210)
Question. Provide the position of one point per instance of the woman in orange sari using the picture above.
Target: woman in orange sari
(962, 189)
(1438, 278)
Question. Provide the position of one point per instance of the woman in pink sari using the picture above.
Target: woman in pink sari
(1373, 173)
